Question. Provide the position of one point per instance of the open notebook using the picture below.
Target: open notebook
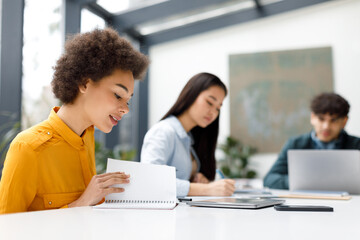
(151, 186)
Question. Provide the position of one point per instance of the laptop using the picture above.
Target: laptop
(247, 203)
(324, 170)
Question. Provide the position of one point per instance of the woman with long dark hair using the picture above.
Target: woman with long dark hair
(186, 138)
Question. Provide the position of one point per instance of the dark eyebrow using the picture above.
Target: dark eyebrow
(215, 99)
(123, 87)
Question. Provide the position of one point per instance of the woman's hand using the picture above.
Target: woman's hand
(200, 178)
(100, 186)
(224, 187)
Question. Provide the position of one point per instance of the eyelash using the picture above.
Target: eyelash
(212, 105)
(118, 97)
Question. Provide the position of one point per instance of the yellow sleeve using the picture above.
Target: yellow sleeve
(18, 184)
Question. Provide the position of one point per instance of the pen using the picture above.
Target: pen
(221, 174)
(185, 199)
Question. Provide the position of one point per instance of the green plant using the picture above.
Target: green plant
(8, 131)
(102, 154)
(235, 163)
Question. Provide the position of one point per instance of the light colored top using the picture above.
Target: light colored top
(47, 166)
(168, 143)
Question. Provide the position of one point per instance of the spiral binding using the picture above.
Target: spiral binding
(138, 201)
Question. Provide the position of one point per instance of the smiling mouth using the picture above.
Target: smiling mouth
(114, 120)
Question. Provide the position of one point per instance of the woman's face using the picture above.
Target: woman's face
(106, 101)
(207, 106)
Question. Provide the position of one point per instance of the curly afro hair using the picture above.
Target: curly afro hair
(94, 55)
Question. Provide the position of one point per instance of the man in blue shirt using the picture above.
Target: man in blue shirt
(329, 114)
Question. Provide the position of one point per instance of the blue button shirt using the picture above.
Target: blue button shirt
(168, 143)
(334, 144)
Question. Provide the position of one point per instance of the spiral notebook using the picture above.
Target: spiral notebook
(151, 186)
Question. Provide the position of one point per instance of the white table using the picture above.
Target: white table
(186, 222)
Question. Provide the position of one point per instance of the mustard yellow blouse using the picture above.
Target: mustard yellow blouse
(47, 166)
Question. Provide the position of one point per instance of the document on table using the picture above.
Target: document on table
(151, 186)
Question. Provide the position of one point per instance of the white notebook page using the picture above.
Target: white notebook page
(151, 186)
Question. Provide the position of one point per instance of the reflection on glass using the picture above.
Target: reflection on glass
(42, 46)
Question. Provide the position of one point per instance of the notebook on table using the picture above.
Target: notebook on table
(151, 186)
(247, 203)
(324, 170)
(315, 194)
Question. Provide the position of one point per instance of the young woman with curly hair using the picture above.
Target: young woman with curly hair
(52, 165)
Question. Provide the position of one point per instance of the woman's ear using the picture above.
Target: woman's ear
(84, 86)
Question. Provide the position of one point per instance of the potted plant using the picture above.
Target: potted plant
(8, 131)
(236, 160)
(119, 152)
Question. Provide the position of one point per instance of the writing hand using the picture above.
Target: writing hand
(224, 187)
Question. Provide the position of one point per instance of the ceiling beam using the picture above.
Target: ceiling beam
(99, 11)
(226, 20)
(127, 20)
(257, 3)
